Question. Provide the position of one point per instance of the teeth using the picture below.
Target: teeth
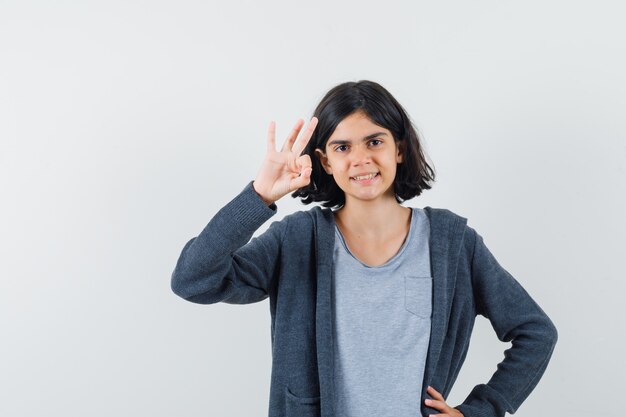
(365, 177)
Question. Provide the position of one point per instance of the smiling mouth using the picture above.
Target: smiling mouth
(365, 177)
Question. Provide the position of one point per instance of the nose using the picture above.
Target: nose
(360, 155)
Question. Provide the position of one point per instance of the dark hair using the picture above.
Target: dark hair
(412, 175)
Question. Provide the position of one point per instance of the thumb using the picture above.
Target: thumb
(303, 179)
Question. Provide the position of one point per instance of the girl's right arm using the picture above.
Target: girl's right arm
(222, 263)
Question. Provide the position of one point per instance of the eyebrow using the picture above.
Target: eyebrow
(366, 138)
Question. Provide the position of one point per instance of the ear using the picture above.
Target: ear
(324, 160)
(400, 154)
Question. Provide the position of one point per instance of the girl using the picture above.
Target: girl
(372, 303)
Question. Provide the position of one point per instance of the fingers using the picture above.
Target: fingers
(297, 166)
(304, 162)
(440, 404)
(292, 136)
(301, 175)
(435, 394)
(299, 147)
(288, 145)
(300, 180)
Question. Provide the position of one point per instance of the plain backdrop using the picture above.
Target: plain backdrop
(126, 125)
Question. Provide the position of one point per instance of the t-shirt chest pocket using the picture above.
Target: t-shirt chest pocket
(417, 295)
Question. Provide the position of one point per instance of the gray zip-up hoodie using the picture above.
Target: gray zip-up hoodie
(292, 264)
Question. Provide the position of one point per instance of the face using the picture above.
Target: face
(358, 149)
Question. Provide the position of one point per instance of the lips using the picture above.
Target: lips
(365, 176)
(366, 179)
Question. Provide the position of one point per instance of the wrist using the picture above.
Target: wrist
(265, 200)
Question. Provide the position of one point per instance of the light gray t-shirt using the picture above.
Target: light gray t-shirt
(381, 327)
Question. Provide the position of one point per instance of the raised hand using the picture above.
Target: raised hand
(284, 171)
(439, 403)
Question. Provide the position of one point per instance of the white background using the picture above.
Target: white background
(125, 125)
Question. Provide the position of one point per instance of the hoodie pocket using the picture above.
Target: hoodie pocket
(418, 295)
(301, 406)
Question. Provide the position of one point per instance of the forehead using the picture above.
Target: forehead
(355, 127)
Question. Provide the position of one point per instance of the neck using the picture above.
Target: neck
(373, 220)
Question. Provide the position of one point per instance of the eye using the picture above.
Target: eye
(375, 142)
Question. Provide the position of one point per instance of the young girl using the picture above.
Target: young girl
(372, 303)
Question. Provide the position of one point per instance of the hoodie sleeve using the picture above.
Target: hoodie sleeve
(222, 264)
(516, 318)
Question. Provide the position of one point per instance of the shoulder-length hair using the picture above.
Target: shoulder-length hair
(413, 174)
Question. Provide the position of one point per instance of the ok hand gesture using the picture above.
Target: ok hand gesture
(284, 171)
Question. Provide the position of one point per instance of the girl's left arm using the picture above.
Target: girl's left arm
(516, 318)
